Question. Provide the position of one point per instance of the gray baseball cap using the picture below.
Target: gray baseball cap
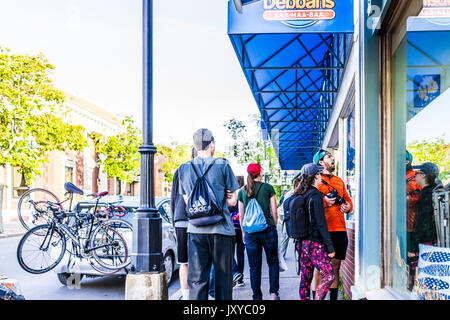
(427, 168)
(202, 139)
(310, 169)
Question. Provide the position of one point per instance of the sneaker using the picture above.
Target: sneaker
(237, 277)
(274, 296)
(240, 283)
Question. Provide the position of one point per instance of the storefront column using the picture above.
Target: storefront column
(367, 220)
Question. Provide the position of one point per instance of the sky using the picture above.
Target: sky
(96, 48)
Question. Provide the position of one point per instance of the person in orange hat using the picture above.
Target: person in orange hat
(337, 203)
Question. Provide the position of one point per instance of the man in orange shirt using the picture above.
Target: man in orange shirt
(337, 203)
(412, 196)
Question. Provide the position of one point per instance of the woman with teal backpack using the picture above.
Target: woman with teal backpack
(258, 218)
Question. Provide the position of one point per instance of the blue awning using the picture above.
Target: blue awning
(293, 68)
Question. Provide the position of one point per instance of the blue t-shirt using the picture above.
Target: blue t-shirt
(221, 178)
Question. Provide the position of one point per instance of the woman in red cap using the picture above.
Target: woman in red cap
(268, 238)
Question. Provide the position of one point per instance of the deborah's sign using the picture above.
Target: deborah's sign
(299, 13)
(436, 3)
(435, 8)
(292, 16)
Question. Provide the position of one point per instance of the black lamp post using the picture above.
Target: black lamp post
(147, 236)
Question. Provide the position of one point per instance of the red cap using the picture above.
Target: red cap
(254, 168)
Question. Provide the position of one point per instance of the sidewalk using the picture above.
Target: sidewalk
(289, 280)
(12, 229)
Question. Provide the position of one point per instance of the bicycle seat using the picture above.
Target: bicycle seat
(71, 188)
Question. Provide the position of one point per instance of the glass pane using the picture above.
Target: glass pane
(427, 134)
(420, 145)
(399, 267)
(167, 209)
(351, 138)
(69, 174)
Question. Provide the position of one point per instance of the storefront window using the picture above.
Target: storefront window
(421, 99)
(351, 139)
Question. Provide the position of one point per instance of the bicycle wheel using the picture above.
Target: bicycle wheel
(125, 229)
(41, 249)
(109, 248)
(32, 207)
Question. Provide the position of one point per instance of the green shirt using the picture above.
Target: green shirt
(263, 199)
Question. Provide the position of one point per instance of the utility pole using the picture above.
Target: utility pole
(148, 280)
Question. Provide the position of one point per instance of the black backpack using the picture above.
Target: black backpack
(298, 225)
(201, 207)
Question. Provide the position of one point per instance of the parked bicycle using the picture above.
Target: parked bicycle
(32, 208)
(43, 247)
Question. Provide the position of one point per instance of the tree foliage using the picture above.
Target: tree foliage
(119, 154)
(174, 156)
(248, 147)
(32, 114)
(437, 152)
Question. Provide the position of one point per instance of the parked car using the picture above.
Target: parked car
(78, 269)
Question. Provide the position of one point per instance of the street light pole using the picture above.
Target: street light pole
(148, 281)
(147, 236)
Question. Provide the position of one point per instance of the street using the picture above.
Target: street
(47, 286)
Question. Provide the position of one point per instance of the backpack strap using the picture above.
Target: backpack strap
(256, 194)
(204, 174)
(410, 179)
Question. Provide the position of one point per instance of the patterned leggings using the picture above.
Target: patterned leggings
(314, 255)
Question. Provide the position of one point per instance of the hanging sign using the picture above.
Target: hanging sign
(287, 16)
(435, 8)
(298, 13)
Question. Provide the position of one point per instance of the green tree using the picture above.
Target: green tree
(32, 114)
(437, 152)
(248, 147)
(119, 154)
(175, 155)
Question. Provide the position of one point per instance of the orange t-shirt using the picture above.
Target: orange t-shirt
(412, 196)
(335, 218)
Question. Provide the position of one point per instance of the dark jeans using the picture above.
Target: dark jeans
(211, 291)
(254, 243)
(240, 249)
(204, 250)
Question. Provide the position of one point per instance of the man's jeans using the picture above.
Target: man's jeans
(254, 242)
(203, 250)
